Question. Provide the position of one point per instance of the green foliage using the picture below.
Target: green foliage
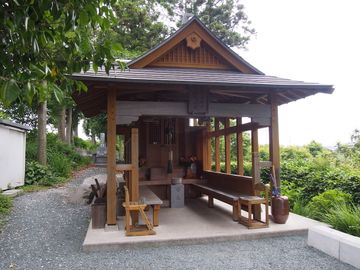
(345, 218)
(49, 39)
(84, 144)
(301, 208)
(5, 204)
(137, 28)
(36, 173)
(62, 159)
(95, 125)
(226, 18)
(325, 201)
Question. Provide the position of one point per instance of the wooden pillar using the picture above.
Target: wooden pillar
(134, 174)
(227, 148)
(255, 156)
(134, 184)
(240, 149)
(274, 138)
(111, 158)
(217, 147)
(208, 148)
(255, 160)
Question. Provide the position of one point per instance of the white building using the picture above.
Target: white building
(12, 154)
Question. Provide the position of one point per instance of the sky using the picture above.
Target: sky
(314, 41)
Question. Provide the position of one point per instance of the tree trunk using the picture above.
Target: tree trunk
(42, 119)
(93, 140)
(61, 124)
(75, 122)
(69, 126)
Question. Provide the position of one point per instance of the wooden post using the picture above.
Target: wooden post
(208, 148)
(255, 168)
(240, 149)
(274, 138)
(227, 148)
(205, 149)
(111, 158)
(217, 147)
(255, 156)
(134, 185)
(134, 174)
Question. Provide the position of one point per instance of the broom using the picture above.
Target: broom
(275, 190)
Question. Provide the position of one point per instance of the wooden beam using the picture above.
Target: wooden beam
(111, 158)
(240, 148)
(274, 138)
(265, 164)
(217, 147)
(227, 148)
(234, 129)
(124, 167)
(138, 108)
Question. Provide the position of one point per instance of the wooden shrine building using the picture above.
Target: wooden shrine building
(176, 101)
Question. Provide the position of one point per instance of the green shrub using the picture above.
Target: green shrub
(5, 204)
(35, 173)
(60, 165)
(85, 144)
(324, 202)
(61, 160)
(301, 208)
(345, 218)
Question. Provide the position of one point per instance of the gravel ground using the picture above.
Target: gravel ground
(46, 231)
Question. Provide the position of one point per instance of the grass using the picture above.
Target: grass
(5, 207)
(34, 188)
(345, 218)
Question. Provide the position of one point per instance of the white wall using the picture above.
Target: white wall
(12, 157)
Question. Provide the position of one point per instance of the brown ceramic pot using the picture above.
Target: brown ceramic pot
(280, 209)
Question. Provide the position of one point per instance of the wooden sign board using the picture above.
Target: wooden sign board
(198, 103)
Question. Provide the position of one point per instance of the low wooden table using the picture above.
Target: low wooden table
(150, 198)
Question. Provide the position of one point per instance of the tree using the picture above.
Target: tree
(137, 27)
(94, 126)
(42, 42)
(225, 18)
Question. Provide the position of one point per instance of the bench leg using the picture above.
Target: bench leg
(257, 212)
(249, 215)
(235, 213)
(211, 202)
(156, 210)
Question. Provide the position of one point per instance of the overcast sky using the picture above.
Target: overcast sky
(315, 41)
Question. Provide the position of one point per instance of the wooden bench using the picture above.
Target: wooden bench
(148, 197)
(226, 188)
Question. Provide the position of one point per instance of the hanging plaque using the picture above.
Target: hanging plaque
(198, 103)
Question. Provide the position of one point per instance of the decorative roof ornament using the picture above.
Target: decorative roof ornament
(193, 41)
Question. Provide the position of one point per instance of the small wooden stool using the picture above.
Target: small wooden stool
(249, 202)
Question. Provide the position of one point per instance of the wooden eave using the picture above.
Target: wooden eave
(194, 25)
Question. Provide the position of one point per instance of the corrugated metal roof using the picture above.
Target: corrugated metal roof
(200, 77)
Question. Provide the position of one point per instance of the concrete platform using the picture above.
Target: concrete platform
(342, 246)
(12, 192)
(194, 224)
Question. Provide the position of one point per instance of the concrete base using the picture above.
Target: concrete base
(111, 228)
(193, 224)
(342, 246)
(12, 192)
